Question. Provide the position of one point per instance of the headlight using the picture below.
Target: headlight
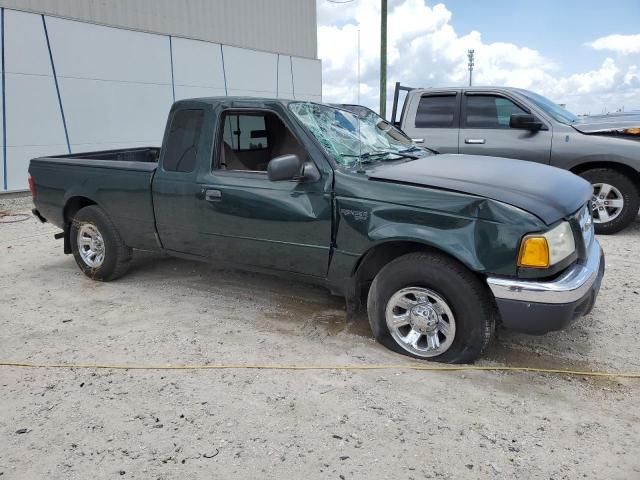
(544, 250)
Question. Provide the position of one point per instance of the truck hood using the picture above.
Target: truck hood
(547, 192)
(614, 123)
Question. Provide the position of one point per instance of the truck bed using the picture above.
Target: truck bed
(118, 180)
(142, 154)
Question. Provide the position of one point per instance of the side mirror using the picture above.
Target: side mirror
(284, 167)
(525, 121)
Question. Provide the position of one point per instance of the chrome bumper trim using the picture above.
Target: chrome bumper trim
(569, 287)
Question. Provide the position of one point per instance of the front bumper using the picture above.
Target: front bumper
(542, 306)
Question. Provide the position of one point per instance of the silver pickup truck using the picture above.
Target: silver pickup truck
(517, 123)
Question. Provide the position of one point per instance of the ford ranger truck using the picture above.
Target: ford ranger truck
(440, 248)
(520, 124)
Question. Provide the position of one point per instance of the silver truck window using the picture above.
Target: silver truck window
(489, 111)
(345, 136)
(436, 111)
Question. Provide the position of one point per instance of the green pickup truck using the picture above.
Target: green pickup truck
(440, 248)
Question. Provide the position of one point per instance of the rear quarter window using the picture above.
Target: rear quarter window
(182, 144)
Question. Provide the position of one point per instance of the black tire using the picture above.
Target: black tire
(117, 256)
(468, 298)
(629, 192)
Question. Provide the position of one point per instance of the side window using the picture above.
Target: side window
(251, 139)
(245, 132)
(436, 111)
(488, 111)
(182, 143)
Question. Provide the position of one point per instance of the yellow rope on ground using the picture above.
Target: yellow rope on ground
(426, 368)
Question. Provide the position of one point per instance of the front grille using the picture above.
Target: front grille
(585, 224)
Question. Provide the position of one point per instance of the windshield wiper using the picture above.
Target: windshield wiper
(410, 149)
(371, 156)
(368, 156)
(415, 148)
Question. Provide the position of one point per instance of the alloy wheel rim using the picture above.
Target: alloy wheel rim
(607, 203)
(420, 321)
(91, 245)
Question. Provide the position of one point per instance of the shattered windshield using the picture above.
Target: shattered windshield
(350, 139)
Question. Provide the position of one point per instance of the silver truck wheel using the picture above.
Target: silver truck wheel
(97, 246)
(427, 305)
(90, 245)
(607, 203)
(615, 200)
(420, 321)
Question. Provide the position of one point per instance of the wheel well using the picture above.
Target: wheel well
(629, 172)
(74, 204)
(377, 257)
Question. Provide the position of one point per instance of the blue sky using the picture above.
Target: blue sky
(559, 29)
(582, 53)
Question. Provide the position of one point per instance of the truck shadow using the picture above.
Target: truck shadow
(294, 308)
(287, 305)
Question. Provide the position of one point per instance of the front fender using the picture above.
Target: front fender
(482, 234)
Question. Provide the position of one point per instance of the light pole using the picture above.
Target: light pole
(470, 54)
(358, 66)
(383, 59)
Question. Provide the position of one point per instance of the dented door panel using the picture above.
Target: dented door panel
(277, 225)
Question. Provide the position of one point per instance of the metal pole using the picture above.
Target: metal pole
(383, 59)
(470, 55)
(358, 66)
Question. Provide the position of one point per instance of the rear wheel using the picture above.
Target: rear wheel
(615, 200)
(429, 306)
(97, 246)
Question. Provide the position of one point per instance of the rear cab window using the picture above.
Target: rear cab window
(182, 143)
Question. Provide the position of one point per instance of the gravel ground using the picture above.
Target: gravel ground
(285, 424)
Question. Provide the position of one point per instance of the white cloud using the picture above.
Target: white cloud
(425, 50)
(624, 44)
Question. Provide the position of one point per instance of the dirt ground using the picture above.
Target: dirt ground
(77, 424)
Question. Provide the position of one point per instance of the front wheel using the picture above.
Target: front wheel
(429, 306)
(97, 246)
(615, 200)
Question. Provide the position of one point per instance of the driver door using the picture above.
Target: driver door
(248, 220)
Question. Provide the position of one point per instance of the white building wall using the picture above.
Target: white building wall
(285, 26)
(307, 76)
(197, 68)
(285, 77)
(250, 72)
(115, 86)
(33, 121)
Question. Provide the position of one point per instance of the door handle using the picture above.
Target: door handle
(474, 141)
(417, 140)
(213, 195)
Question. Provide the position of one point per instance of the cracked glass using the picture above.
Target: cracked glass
(349, 138)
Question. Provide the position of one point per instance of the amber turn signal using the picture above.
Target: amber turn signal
(534, 253)
(632, 131)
